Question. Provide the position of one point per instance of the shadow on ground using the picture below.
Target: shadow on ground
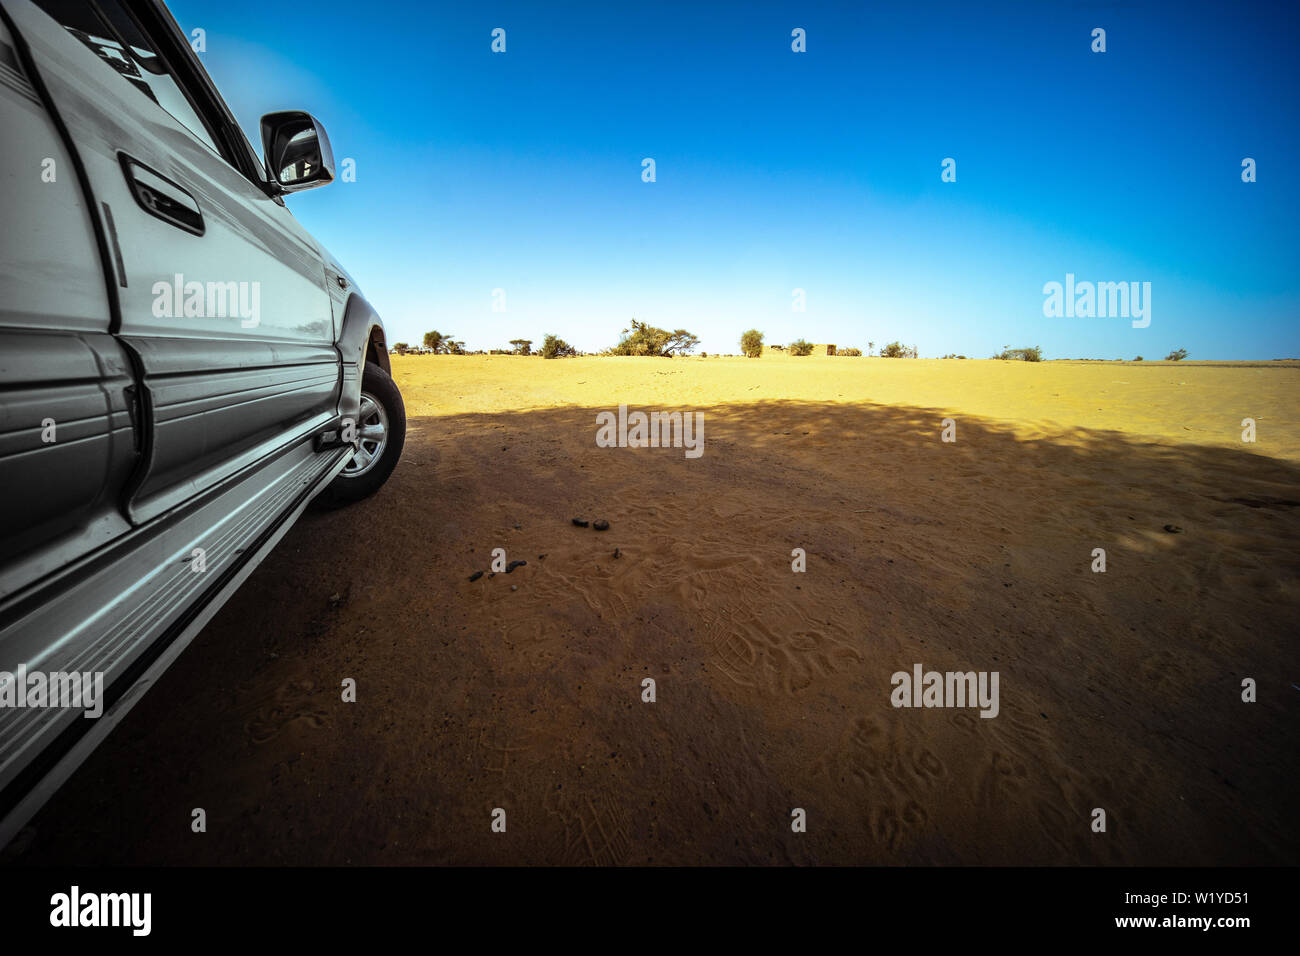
(1118, 690)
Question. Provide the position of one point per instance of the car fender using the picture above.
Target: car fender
(361, 340)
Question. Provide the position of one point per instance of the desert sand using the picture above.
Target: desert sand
(523, 691)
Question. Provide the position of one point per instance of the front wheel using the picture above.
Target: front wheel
(381, 428)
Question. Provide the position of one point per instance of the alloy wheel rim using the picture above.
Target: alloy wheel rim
(372, 430)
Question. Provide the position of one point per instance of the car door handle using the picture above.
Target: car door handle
(161, 197)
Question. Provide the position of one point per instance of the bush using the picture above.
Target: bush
(893, 350)
(643, 339)
(800, 347)
(1138, 359)
(1176, 356)
(1033, 354)
(852, 353)
(751, 344)
(553, 347)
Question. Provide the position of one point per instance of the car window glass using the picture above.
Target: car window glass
(118, 41)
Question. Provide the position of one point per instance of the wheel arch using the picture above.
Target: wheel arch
(361, 340)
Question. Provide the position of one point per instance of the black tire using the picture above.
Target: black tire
(355, 482)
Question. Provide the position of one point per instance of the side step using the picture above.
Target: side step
(130, 630)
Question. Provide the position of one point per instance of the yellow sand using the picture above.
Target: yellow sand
(1201, 403)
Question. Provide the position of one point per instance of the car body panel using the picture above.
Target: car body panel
(205, 376)
(188, 438)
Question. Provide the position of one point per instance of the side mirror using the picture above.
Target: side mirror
(296, 151)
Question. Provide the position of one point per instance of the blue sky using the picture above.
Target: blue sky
(779, 170)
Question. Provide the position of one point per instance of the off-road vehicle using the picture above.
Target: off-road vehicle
(183, 369)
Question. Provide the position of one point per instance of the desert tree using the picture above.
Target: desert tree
(441, 344)
(645, 339)
(555, 347)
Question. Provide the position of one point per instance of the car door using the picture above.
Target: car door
(67, 446)
(224, 302)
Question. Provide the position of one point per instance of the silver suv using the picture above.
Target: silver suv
(183, 369)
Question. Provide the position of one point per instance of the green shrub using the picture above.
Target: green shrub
(553, 347)
(751, 344)
(1032, 354)
(800, 347)
(643, 339)
(1176, 356)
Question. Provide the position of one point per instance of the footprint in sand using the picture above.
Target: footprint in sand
(750, 653)
(891, 826)
(290, 704)
(734, 657)
(927, 766)
(1003, 778)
